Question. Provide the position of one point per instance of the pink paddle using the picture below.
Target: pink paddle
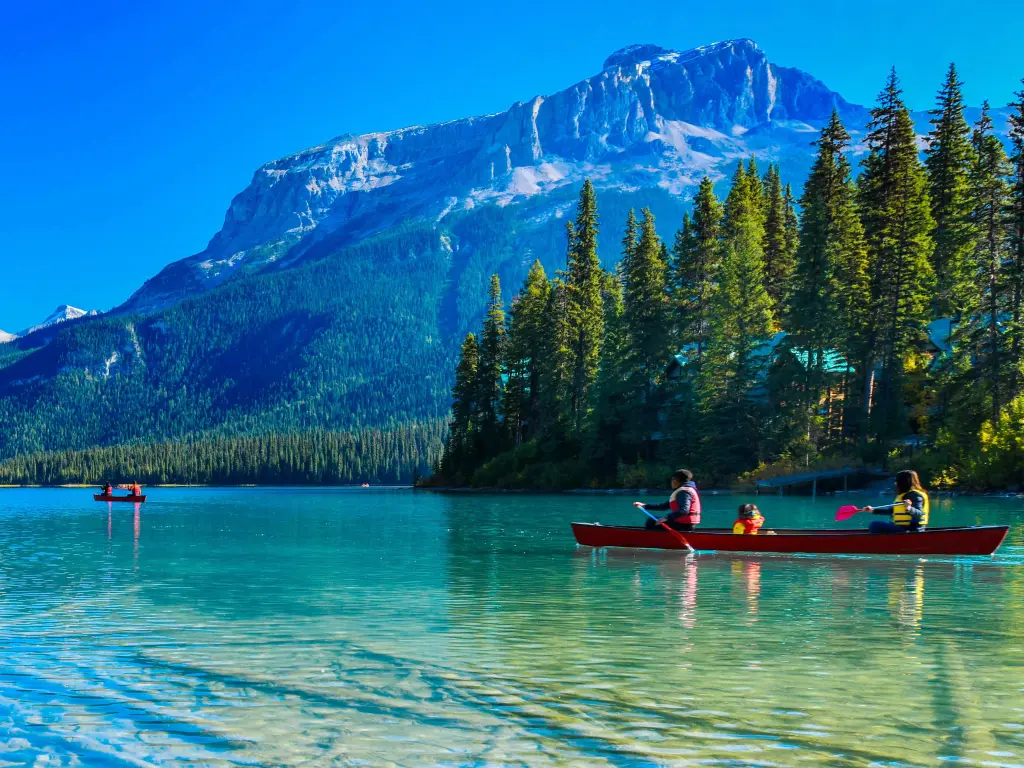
(845, 513)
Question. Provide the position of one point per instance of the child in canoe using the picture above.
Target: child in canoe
(683, 505)
(748, 520)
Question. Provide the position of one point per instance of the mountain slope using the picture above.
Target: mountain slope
(345, 275)
(652, 118)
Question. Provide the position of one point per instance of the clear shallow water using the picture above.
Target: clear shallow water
(334, 627)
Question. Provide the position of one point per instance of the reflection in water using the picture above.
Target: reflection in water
(136, 526)
(269, 628)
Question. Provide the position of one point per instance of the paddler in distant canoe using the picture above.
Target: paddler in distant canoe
(909, 511)
(108, 489)
(136, 489)
(683, 505)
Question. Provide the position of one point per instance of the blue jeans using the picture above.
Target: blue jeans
(885, 526)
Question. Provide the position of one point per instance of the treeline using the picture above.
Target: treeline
(886, 318)
(317, 457)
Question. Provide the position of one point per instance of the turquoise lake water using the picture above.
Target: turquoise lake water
(344, 627)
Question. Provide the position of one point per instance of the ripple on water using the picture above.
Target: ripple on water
(253, 628)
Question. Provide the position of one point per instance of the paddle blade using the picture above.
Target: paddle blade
(845, 513)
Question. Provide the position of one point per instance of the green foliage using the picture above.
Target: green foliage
(896, 213)
(697, 254)
(780, 239)
(949, 160)
(315, 457)
(584, 311)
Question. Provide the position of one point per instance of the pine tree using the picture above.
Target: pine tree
(743, 321)
(830, 280)
(1015, 250)
(460, 450)
(792, 222)
(978, 338)
(949, 160)
(583, 282)
(489, 373)
(779, 257)
(630, 238)
(697, 255)
(647, 319)
(556, 364)
(524, 352)
(896, 213)
(758, 193)
(611, 413)
(739, 195)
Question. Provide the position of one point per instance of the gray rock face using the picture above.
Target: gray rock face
(651, 118)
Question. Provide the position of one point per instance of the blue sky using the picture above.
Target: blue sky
(127, 127)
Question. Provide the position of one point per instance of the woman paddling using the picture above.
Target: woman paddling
(909, 511)
(683, 505)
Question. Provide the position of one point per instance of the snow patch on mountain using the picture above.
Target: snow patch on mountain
(62, 314)
(651, 118)
(6, 337)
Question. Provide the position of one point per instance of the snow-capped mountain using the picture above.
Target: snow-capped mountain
(61, 314)
(6, 337)
(651, 118)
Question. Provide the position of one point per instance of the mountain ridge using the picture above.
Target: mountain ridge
(659, 112)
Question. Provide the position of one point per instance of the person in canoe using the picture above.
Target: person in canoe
(136, 489)
(910, 510)
(108, 489)
(683, 506)
(748, 520)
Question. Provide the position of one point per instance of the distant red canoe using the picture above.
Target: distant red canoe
(105, 497)
(974, 540)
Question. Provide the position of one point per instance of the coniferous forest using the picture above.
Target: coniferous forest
(875, 319)
(319, 457)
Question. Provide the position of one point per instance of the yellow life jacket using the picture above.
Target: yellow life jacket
(901, 516)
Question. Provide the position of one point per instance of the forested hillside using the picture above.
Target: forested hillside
(884, 324)
(312, 457)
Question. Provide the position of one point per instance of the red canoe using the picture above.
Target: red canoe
(104, 497)
(975, 540)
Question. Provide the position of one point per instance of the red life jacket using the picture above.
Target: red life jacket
(693, 516)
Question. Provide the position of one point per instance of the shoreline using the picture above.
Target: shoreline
(534, 492)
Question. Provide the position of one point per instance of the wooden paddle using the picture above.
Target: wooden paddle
(666, 526)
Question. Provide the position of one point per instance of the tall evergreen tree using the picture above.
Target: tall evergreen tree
(830, 280)
(949, 160)
(743, 321)
(583, 283)
(630, 238)
(525, 348)
(758, 193)
(778, 240)
(460, 450)
(489, 373)
(697, 254)
(896, 213)
(978, 338)
(1015, 249)
(647, 320)
(556, 364)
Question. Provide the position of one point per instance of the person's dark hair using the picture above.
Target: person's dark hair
(682, 475)
(748, 510)
(907, 481)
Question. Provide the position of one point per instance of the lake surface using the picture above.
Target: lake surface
(344, 627)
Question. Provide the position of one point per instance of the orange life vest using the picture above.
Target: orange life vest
(749, 525)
